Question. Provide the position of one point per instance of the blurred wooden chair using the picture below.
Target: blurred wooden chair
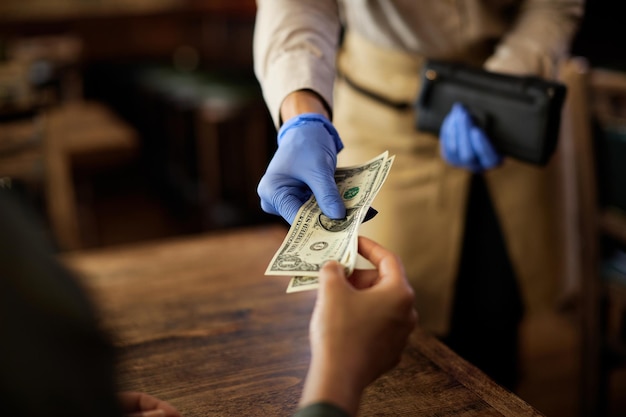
(586, 222)
(75, 132)
(46, 127)
(41, 151)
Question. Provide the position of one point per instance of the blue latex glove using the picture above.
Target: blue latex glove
(304, 163)
(465, 145)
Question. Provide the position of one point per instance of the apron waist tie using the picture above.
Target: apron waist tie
(397, 105)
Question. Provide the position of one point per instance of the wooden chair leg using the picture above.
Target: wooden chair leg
(60, 194)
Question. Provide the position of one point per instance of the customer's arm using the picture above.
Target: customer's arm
(359, 328)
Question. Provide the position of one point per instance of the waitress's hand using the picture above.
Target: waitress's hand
(304, 163)
(465, 145)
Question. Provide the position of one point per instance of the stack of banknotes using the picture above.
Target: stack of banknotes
(315, 238)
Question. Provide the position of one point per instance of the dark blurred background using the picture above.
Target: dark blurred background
(177, 76)
(188, 134)
(600, 38)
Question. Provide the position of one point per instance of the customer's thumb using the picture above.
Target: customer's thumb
(332, 277)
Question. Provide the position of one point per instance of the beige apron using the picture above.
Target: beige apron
(421, 206)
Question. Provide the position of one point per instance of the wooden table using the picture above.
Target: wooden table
(200, 325)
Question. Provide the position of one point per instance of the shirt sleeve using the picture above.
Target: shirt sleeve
(321, 409)
(540, 38)
(295, 45)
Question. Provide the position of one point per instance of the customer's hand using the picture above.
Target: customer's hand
(139, 404)
(359, 327)
(304, 162)
(465, 145)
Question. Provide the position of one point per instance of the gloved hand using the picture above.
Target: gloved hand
(304, 162)
(465, 145)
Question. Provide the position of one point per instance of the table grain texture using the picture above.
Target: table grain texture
(198, 324)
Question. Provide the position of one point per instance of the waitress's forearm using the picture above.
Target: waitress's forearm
(302, 101)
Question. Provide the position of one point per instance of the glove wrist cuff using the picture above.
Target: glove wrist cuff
(306, 118)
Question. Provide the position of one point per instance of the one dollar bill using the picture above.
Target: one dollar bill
(314, 238)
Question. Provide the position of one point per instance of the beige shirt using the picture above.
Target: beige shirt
(296, 41)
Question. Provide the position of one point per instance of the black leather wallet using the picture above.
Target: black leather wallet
(520, 115)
